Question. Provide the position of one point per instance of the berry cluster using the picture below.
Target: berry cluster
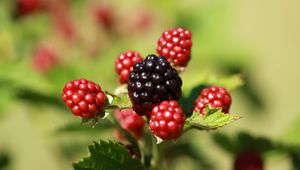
(152, 81)
(154, 87)
(131, 122)
(84, 98)
(215, 97)
(167, 120)
(175, 44)
(124, 64)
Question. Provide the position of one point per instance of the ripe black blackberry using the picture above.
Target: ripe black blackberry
(152, 81)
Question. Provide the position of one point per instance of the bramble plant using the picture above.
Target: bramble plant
(150, 105)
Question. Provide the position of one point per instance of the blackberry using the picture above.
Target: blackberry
(131, 122)
(167, 120)
(215, 97)
(124, 64)
(175, 44)
(152, 81)
(85, 98)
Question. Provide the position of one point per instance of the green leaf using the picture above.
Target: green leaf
(121, 101)
(126, 134)
(173, 153)
(5, 160)
(108, 155)
(292, 133)
(74, 127)
(38, 98)
(213, 119)
(244, 141)
(225, 142)
(230, 82)
(259, 143)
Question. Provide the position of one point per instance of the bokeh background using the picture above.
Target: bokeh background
(60, 40)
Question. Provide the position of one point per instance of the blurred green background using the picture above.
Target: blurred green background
(259, 39)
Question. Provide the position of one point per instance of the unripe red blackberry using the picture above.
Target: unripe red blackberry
(84, 98)
(248, 160)
(131, 122)
(124, 64)
(167, 120)
(152, 81)
(175, 44)
(104, 16)
(26, 7)
(215, 97)
(44, 58)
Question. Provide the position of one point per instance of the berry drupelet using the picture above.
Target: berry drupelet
(124, 64)
(215, 97)
(175, 44)
(167, 120)
(84, 98)
(152, 81)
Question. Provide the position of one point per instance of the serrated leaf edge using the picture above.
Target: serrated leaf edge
(210, 112)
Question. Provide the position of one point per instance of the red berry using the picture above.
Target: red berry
(131, 122)
(175, 44)
(26, 7)
(215, 97)
(167, 120)
(248, 160)
(44, 58)
(61, 15)
(84, 98)
(104, 16)
(143, 21)
(124, 64)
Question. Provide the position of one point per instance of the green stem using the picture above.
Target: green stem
(126, 134)
(155, 154)
(187, 127)
(148, 149)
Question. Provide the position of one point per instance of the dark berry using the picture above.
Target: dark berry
(124, 65)
(152, 81)
(215, 97)
(131, 122)
(84, 98)
(167, 120)
(248, 160)
(175, 44)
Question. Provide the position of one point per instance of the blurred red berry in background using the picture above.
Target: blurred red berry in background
(104, 16)
(248, 160)
(143, 21)
(26, 7)
(60, 12)
(44, 58)
(131, 122)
